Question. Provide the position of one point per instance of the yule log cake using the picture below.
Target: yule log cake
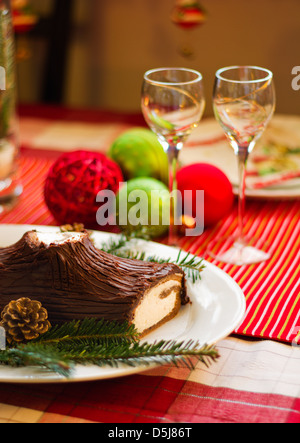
(75, 280)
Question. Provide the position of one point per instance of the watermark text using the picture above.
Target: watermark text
(296, 79)
(155, 208)
(2, 339)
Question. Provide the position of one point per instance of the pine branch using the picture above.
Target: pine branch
(90, 330)
(192, 265)
(62, 360)
(137, 354)
(112, 246)
(44, 357)
(101, 343)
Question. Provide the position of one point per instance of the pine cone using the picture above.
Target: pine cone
(24, 320)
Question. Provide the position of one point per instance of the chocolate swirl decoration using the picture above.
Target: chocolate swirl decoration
(75, 280)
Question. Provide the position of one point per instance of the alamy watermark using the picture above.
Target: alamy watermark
(296, 340)
(296, 79)
(2, 79)
(2, 339)
(142, 208)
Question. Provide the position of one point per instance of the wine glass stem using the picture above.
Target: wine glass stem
(243, 154)
(173, 153)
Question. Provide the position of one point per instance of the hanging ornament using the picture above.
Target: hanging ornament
(24, 20)
(188, 15)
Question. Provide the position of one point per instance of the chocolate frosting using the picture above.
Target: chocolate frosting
(74, 279)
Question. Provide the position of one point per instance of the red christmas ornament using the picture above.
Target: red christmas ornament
(188, 14)
(24, 19)
(73, 183)
(218, 193)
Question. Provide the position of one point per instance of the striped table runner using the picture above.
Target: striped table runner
(272, 289)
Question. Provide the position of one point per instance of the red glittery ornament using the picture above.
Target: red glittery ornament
(218, 193)
(73, 183)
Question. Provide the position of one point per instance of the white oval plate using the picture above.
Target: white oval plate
(217, 308)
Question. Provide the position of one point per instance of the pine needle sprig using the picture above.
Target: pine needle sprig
(47, 358)
(114, 245)
(88, 343)
(89, 332)
(192, 265)
(163, 352)
(62, 360)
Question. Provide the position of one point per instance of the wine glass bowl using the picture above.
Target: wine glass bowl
(243, 103)
(173, 104)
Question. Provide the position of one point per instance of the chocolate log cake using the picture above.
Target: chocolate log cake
(74, 280)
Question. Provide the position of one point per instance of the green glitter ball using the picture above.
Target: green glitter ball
(143, 206)
(139, 154)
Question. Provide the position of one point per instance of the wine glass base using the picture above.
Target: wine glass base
(173, 240)
(234, 251)
(8, 202)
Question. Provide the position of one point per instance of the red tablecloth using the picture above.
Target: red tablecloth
(272, 292)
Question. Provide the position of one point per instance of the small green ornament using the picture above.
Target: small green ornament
(139, 154)
(143, 205)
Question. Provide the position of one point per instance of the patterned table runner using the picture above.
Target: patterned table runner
(272, 289)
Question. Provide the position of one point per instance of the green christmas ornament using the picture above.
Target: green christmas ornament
(139, 154)
(143, 205)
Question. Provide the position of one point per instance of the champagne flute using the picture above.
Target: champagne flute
(244, 103)
(173, 104)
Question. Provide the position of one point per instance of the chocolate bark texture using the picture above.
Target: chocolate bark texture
(75, 280)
